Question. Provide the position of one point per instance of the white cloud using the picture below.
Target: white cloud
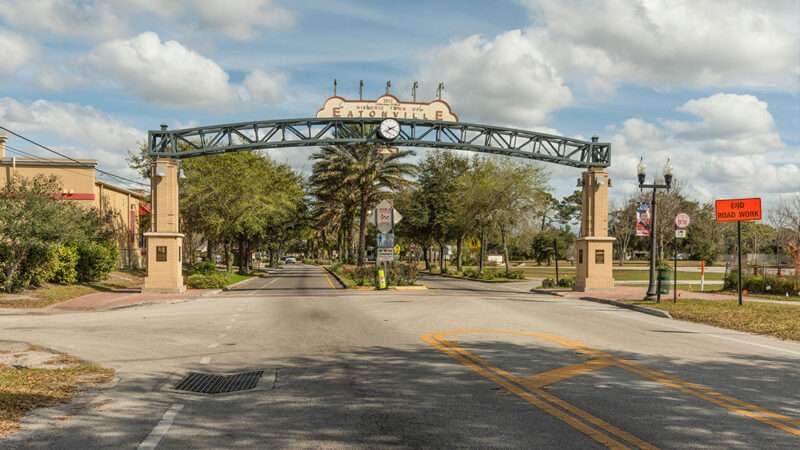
(734, 167)
(165, 73)
(260, 86)
(240, 20)
(88, 132)
(168, 73)
(663, 43)
(729, 123)
(86, 19)
(94, 19)
(15, 51)
(505, 80)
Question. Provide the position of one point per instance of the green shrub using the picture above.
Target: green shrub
(96, 260)
(759, 284)
(65, 270)
(204, 268)
(515, 275)
(214, 280)
(403, 274)
(31, 266)
(566, 282)
(39, 264)
(361, 275)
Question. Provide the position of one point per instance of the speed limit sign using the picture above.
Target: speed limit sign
(682, 220)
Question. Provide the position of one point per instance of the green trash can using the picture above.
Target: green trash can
(664, 279)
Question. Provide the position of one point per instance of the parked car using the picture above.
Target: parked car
(290, 260)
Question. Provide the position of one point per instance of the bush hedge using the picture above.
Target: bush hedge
(96, 260)
(216, 280)
(759, 284)
(492, 274)
(204, 268)
(565, 282)
(65, 269)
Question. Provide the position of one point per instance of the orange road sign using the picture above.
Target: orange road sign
(738, 210)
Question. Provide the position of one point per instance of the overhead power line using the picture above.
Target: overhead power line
(104, 172)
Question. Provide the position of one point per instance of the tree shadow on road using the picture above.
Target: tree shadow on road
(418, 397)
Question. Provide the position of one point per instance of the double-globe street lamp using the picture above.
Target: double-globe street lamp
(652, 291)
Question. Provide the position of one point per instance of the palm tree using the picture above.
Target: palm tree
(364, 173)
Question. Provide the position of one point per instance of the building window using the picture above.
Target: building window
(599, 256)
(180, 254)
(161, 253)
(580, 256)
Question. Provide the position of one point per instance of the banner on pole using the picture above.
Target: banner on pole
(643, 219)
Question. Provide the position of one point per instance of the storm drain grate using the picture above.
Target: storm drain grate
(204, 383)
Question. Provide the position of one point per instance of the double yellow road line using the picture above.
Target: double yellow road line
(532, 388)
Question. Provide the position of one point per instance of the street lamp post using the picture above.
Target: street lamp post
(652, 292)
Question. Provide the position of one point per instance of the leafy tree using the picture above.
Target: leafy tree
(786, 219)
(242, 199)
(368, 170)
(546, 242)
(439, 191)
(569, 208)
(622, 226)
(33, 223)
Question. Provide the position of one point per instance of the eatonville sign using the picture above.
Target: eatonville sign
(387, 106)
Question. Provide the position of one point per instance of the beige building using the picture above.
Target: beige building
(79, 184)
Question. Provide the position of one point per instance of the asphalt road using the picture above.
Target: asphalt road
(460, 365)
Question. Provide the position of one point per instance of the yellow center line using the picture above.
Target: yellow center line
(549, 377)
(525, 395)
(530, 388)
(328, 279)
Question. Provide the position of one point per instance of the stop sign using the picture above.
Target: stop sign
(682, 220)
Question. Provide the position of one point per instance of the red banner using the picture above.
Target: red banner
(643, 219)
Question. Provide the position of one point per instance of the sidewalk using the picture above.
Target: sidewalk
(637, 293)
(102, 301)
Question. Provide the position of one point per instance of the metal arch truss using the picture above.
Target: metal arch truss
(214, 139)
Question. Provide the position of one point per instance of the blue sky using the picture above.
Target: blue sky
(712, 84)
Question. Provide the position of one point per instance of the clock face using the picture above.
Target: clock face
(389, 129)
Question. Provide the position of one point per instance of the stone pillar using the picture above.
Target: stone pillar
(594, 247)
(164, 241)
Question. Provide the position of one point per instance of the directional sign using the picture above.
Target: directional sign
(384, 255)
(682, 220)
(385, 240)
(738, 210)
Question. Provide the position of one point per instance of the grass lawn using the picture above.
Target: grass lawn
(22, 390)
(49, 294)
(233, 277)
(783, 298)
(782, 321)
(632, 275)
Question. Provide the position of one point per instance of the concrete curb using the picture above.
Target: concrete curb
(545, 292)
(231, 286)
(336, 277)
(409, 288)
(641, 309)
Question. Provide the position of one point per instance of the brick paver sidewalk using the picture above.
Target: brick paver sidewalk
(110, 300)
